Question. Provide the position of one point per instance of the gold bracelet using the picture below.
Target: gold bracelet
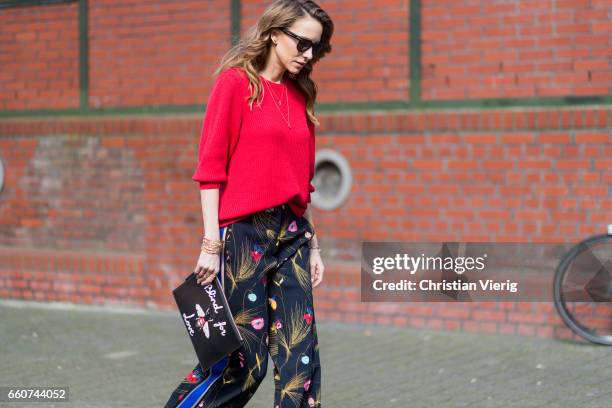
(210, 250)
(211, 246)
(212, 243)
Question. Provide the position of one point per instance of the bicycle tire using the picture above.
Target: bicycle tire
(560, 304)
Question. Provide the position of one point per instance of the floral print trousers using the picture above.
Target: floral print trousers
(265, 273)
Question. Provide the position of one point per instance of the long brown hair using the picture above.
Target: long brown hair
(251, 52)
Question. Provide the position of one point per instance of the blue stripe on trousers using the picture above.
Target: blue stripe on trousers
(198, 392)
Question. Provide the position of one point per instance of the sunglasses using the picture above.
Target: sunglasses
(303, 44)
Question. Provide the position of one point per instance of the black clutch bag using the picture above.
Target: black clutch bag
(208, 320)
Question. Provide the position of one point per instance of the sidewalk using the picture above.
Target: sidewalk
(129, 358)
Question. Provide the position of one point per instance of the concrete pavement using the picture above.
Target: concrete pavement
(121, 357)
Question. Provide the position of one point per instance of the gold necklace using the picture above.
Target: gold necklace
(280, 100)
(278, 103)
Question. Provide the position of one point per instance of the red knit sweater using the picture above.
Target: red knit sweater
(252, 156)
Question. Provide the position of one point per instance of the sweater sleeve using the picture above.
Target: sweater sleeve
(219, 130)
(311, 128)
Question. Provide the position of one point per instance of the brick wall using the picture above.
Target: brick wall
(500, 48)
(103, 209)
(152, 53)
(147, 53)
(39, 48)
(119, 220)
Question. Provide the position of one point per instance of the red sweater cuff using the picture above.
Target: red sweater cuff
(206, 186)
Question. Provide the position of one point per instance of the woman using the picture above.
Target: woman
(256, 163)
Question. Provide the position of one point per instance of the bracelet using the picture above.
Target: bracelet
(211, 246)
(315, 247)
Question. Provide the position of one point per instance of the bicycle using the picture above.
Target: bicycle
(583, 289)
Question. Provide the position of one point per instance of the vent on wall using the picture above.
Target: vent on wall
(332, 180)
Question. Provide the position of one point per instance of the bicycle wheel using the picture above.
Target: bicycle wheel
(583, 289)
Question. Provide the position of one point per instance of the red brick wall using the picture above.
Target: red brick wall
(500, 48)
(155, 53)
(164, 53)
(74, 191)
(39, 57)
(104, 210)
(120, 220)
(370, 50)
(152, 53)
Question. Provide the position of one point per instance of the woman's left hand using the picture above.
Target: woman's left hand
(316, 267)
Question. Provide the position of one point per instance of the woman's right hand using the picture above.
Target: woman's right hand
(207, 268)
